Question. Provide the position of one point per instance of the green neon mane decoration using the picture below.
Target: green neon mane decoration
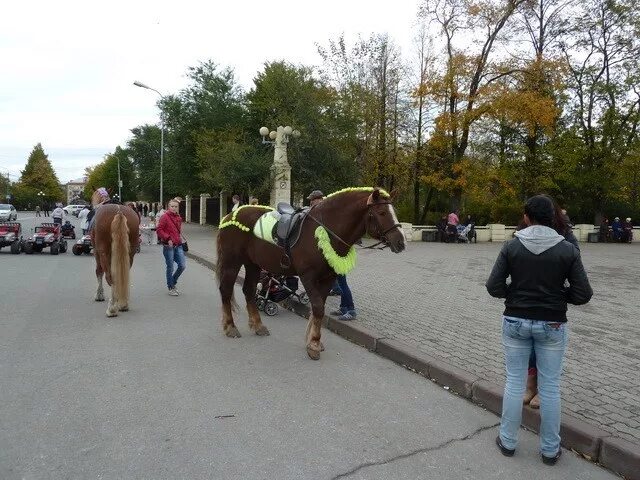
(383, 192)
(340, 265)
(225, 222)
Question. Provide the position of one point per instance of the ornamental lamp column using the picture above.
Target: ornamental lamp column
(280, 169)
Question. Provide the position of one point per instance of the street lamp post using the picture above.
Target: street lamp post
(280, 170)
(142, 85)
(41, 197)
(119, 181)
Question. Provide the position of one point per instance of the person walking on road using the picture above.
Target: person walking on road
(169, 232)
(57, 214)
(38, 211)
(539, 261)
(84, 222)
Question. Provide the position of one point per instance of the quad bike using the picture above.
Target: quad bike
(11, 235)
(83, 245)
(47, 235)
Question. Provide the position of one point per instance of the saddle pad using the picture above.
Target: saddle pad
(263, 228)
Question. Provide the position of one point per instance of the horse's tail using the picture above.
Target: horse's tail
(120, 262)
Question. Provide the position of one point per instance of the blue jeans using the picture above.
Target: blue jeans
(174, 254)
(549, 340)
(346, 299)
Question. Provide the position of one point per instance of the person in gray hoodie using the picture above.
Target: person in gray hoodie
(538, 261)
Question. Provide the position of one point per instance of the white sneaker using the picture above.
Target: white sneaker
(173, 292)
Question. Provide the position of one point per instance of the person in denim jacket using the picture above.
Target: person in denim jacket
(538, 261)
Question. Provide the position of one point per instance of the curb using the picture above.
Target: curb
(594, 444)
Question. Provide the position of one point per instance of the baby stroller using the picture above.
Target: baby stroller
(466, 233)
(272, 289)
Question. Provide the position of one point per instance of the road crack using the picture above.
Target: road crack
(416, 452)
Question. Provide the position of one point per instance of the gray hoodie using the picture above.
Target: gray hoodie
(538, 238)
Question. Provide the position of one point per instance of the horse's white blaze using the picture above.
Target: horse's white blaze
(394, 217)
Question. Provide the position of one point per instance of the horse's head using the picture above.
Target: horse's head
(382, 222)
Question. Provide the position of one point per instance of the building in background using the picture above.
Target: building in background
(74, 189)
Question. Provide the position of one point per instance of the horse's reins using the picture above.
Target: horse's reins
(383, 239)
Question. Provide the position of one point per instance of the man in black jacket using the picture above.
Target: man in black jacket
(539, 261)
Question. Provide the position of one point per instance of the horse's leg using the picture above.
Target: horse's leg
(317, 296)
(99, 274)
(228, 275)
(105, 262)
(252, 274)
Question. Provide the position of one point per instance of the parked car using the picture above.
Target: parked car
(73, 209)
(8, 212)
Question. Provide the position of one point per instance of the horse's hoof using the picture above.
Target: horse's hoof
(262, 331)
(321, 346)
(124, 308)
(112, 314)
(99, 298)
(232, 332)
(313, 352)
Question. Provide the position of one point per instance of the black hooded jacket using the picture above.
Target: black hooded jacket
(539, 261)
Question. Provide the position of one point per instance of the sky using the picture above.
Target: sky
(68, 67)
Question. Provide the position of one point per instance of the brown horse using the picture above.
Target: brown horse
(115, 237)
(345, 215)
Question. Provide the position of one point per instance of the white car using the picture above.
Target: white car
(8, 212)
(73, 209)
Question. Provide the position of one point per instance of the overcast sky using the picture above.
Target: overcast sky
(68, 67)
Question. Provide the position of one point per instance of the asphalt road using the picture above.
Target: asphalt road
(159, 393)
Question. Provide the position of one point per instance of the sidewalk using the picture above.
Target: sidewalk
(432, 300)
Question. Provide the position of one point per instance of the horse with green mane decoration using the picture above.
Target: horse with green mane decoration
(324, 249)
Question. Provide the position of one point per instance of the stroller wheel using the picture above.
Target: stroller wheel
(271, 308)
(304, 298)
(260, 303)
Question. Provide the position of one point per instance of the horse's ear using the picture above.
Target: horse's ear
(374, 197)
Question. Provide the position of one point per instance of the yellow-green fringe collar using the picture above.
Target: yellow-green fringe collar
(225, 222)
(383, 192)
(340, 265)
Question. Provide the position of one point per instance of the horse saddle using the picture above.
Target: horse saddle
(286, 231)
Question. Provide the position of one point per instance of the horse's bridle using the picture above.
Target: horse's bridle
(370, 216)
(380, 235)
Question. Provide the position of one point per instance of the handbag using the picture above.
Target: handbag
(185, 245)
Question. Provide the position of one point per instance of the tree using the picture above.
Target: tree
(105, 175)
(212, 102)
(605, 70)
(229, 163)
(284, 94)
(38, 176)
(144, 150)
(371, 103)
(462, 85)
